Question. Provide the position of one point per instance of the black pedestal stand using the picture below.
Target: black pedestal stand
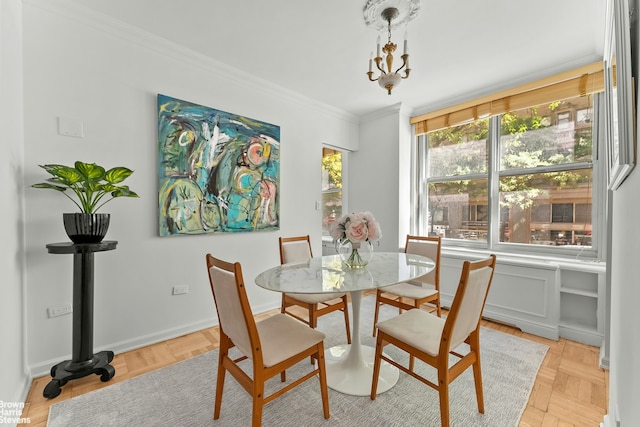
(83, 361)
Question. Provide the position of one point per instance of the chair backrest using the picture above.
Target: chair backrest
(468, 303)
(232, 305)
(295, 249)
(429, 247)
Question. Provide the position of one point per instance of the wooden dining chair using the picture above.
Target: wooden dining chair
(273, 344)
(420, 291)
(432, 339)
(298, 249)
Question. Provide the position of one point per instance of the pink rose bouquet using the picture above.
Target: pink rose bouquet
(356, 228)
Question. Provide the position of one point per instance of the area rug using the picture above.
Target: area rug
(182, 394)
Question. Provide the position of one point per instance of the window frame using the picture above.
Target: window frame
(599, 195)
(343, 190)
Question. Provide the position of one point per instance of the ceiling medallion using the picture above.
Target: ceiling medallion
(407, 10)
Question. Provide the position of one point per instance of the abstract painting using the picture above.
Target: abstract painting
(218, 172)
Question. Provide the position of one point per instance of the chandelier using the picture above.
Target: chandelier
(402, 12)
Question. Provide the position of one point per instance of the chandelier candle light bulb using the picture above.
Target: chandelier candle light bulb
(406, 36)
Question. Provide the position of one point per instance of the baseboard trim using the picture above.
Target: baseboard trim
(539, 329)
(581, 335)
(24, 393)
(603, 360)
(43, 368)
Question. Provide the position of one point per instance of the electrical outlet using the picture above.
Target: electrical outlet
(59, 310)
(180, 290)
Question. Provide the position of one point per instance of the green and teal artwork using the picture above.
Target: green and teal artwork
(218, 172)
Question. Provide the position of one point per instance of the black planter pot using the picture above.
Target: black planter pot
(86, 228)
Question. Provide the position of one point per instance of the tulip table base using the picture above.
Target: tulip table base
(350, 367)
(351, 374)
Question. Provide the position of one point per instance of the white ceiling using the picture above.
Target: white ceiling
(459, 49)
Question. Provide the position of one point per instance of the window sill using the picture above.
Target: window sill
(540, 261)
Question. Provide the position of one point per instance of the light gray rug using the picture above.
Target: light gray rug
(183, 394)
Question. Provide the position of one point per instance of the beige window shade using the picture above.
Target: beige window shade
(579, 82)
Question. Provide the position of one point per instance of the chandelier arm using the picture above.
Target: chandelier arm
(378, 60)
(370, 74)
(404, 57)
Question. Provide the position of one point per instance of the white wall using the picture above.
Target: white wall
(625, 295)
(15, 380)
(82, 66)
(624, 380)
(373, 174)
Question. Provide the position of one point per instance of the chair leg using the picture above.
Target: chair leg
(443, 391)
(375, 314)
(313, 320)
(376, 366)
(438, 308)
(322, 372)
(346, 318)
(416, 304)
(258, 403)
(223, 352)
(474, 345)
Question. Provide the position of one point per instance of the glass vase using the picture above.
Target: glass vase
(355, 255)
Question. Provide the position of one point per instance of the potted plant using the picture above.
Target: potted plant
(93, 186)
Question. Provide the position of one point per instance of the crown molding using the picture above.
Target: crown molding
(399, 108)
(131, 34)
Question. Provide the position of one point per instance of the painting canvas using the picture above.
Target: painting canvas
(218, 172)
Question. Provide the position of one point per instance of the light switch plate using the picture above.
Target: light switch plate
(68, 126)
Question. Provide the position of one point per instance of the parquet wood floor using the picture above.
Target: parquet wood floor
(570, 389)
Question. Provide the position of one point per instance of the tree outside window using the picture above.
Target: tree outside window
(543, 170)
(331, 187)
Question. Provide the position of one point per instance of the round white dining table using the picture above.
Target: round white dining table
(349, 367)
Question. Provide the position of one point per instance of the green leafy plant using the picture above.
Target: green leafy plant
(90, 183)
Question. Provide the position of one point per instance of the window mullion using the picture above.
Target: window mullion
(493, 182)
(547, 169)
(452, 178)
(422, 196)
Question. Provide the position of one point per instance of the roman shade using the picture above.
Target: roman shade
(581, 81)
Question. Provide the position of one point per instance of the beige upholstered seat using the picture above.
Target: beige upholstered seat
(273, 345)
(298, 249)
(432, 339)
(423, 290)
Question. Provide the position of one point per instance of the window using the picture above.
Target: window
(564, 120)
(541, 213)
(530, 169)
(516, 170)
(562, 212)
(583, 213)
(331, 187)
